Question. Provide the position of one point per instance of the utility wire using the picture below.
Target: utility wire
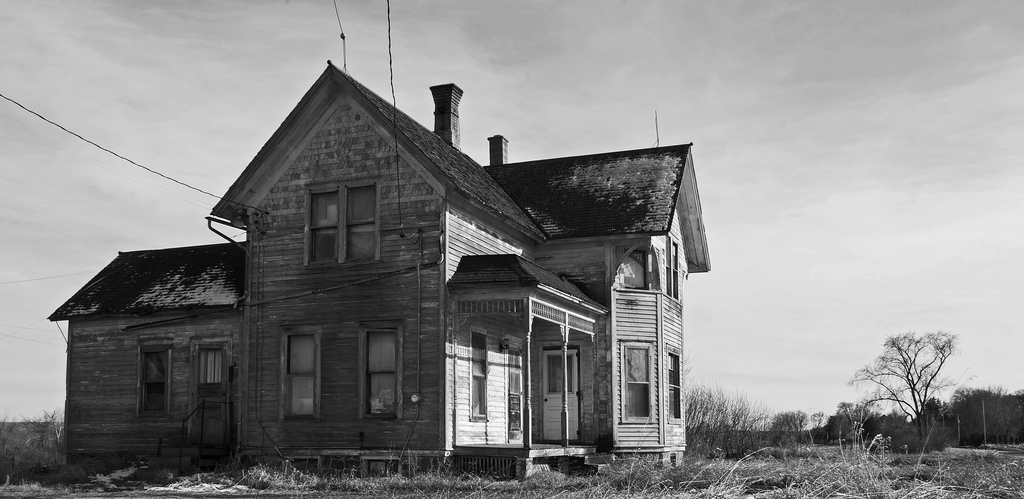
(51, 277)
(150, 170)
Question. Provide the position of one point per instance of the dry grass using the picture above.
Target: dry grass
(769, 473)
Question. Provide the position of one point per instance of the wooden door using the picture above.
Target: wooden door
(552, 387)
(209, 424)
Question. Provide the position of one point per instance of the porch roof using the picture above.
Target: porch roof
(475, 270)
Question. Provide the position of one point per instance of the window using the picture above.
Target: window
(632, 272)
(154, 394)
(675, 391)
(382, 389)
(672, 269)
(637, 368)
(211, 365)
(323, 227)
(343, 236)
(478, 372)
(300, 377)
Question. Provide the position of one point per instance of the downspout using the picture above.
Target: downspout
(243, 372)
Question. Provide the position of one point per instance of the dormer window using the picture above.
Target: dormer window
(632, 272)
(343, 224)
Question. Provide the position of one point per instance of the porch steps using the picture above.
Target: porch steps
(173, 460)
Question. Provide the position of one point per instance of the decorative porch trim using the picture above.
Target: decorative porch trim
(561, 316)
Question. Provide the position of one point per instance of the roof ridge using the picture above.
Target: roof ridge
(630, 152)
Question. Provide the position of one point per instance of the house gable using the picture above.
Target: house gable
(448, 170)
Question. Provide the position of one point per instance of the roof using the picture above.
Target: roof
(461, 171)
(142, 282)
(625, 192)
(512, 269)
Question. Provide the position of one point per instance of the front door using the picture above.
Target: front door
(553, 385)
(209, 423)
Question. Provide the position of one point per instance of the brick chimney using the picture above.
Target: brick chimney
(446, 112)
(499, 149)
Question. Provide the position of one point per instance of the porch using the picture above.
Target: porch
(524, 369)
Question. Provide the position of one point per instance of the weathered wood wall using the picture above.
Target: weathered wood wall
(350, 146)
(103, 379)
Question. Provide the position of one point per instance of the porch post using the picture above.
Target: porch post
(565, 385)
(527, 413)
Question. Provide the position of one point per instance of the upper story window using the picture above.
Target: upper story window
(672, 269)
(632, 272)
(343, 224)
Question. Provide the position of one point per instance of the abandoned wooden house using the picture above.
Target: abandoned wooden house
(396, 304)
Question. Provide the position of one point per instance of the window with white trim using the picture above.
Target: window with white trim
(478, 375)
(343, 224)
(636, 368)
(672, 269)
(675, 387)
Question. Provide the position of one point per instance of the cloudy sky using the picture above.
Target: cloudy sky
(859, 163)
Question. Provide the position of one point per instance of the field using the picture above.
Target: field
(769, 473)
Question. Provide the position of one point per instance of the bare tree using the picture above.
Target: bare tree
(908, 373)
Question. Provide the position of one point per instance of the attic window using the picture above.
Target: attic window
(343, 224)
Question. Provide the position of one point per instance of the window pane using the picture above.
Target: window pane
(382, 393)
(362, 242)
(325, 209)
(155, 370)
(301, 358)
(637, 400)
(479, 398)
(362, 204)
(673, 369)
(636, 365)
(632, 271)
(380, 351)
(676, 400)
(154, 397)
(210, 365)
(554, 374)
(325, 244)
(301, 395)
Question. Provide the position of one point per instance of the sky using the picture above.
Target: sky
(859, 163)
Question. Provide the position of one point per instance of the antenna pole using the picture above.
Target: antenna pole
(344, 46)
(657, 135)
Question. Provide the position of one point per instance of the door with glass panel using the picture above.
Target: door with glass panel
(554, 384)
(209, 423)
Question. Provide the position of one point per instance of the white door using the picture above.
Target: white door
(553, 394)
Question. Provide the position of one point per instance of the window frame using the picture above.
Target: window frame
(478, 356)
(364, 374)
(286, 377)
(674, 391)
(342, 224)
(143, 382)
(672, 274)
(625, 383)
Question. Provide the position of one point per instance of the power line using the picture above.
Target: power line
(150, 170)
(50, 277)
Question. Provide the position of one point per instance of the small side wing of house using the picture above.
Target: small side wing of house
(148, 281)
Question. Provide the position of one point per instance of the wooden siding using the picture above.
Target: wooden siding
(390, 292)
(103, 380)
(469, 236)
(493, 429)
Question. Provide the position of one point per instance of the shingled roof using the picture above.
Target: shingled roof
(626, 192)
(512, 269)
(142, 282)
